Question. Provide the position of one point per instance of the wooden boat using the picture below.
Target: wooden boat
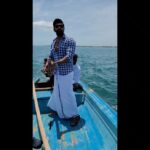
(97, 129)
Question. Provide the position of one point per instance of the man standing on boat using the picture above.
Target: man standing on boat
(63, 99)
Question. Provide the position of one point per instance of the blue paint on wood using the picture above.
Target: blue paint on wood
(96, 130)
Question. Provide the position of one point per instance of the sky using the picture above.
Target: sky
(88, 22)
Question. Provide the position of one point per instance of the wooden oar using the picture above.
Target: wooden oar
(40, 120)
(43, 89)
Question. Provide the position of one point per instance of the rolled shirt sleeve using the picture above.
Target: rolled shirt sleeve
(70, 49)
(51, 55)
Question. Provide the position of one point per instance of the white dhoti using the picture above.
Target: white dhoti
(63, 99)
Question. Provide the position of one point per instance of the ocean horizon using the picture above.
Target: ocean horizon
(82, 45)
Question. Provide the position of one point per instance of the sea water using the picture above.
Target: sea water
(98, 69)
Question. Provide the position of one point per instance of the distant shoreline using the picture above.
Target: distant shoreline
(80, 46)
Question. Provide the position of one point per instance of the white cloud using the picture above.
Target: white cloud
(43, 24)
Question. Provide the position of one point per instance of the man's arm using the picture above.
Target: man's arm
(62, 60)
(70, 51)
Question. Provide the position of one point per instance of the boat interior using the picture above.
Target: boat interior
(94, 131)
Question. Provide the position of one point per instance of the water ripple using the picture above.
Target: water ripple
(98, 69)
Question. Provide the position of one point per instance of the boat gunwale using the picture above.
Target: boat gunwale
(101, 107)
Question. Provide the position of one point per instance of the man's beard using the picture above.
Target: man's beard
(59, 33)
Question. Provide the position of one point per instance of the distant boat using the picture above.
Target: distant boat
(97, 129)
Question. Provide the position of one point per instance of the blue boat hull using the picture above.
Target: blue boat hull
(96, 130)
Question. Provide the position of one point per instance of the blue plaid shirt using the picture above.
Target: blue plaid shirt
(66, 48)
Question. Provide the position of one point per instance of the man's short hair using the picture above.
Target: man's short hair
(57, 20)
(75, 56)
(45, 59)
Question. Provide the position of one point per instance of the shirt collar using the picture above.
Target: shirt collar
(63, 37)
